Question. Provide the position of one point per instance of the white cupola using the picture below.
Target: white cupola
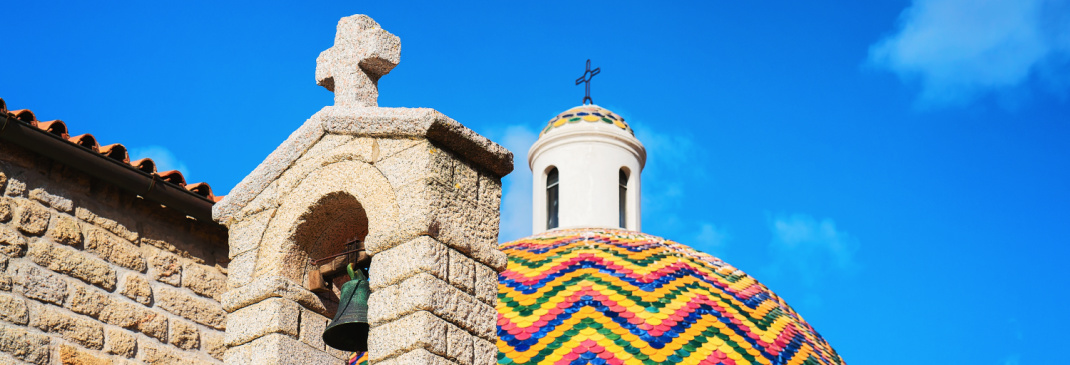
(586, 168)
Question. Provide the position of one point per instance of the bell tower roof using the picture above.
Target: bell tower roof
(587, 116)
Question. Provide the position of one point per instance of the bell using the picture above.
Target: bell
(348, 331)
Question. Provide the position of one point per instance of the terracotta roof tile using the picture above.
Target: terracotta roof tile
(24, 115)
(56, 127)
(174, 177)
(86, 140)
(146, 165)
(114, 151)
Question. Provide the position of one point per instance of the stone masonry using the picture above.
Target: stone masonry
(90, 274)
(421, 190)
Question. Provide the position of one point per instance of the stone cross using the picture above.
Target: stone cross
(362, 53)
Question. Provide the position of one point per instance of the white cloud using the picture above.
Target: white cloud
(960, 50)
(673, 160)
(807, 249)
(165, 160)
(516, 187)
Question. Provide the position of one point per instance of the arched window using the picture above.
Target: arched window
(623, 197)
(551, 199)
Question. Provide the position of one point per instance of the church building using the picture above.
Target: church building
(369, 236)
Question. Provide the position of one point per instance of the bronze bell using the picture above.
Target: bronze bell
(348, 331)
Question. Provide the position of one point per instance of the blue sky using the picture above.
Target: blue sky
(896, 170)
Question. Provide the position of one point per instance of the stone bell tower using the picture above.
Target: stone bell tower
(418, 192)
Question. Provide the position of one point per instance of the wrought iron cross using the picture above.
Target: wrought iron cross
(586, 78)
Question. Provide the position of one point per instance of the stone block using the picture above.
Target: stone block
(246, 235)
(108, 224)
(490, 191)
(153, 324)
(421, 255)
(271, 287)
(212, 343)
(132, 316)
(204, 280)
(24, 345)
(86, 300)
(486, 285)
(462, 272)
(491, 256)
(274, 315)
(119, 342)
(181, 303)
(15, 188)
(33, 218)
(184, 335)
(419, 330)
(418, 356)
(459, 345)
(55, 201)
(265, 201)
(65, 230)
(312, 327)
(71, 327)
(72, 262)
(240, 270)
(115, 250)
(424, 292)
(419, 161)
(483, 322)
(13, 309)
(486, 352)
(40, 284)
(466, 181)
(5, 209)
(166, 268)
(153, 353)
(277, 349)
(11, 242)
(75, 356)
(136, 287)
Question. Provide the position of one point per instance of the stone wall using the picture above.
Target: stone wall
(90, 274)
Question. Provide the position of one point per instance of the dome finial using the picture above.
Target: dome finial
(586, 79)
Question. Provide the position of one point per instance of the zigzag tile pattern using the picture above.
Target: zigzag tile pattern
(621, 297)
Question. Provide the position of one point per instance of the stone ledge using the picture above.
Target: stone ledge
(419, 330)
(421, 255)
(365, 122)
(273, 315)
(424, 292)
(418, 356)
(271, 287)
(277, 349)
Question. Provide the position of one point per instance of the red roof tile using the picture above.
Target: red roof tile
(114, 151)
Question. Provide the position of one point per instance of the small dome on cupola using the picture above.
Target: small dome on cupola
(588, 116)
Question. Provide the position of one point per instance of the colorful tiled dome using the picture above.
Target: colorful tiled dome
(609, 296)
(587, 114)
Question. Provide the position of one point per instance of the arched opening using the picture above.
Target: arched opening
(622, 207)
(552, 197)
(330, 235)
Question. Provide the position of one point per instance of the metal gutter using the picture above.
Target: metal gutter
(126, 177)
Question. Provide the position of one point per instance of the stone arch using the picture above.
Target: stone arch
(338, 186)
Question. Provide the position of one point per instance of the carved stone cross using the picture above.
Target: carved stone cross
(362, 53)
